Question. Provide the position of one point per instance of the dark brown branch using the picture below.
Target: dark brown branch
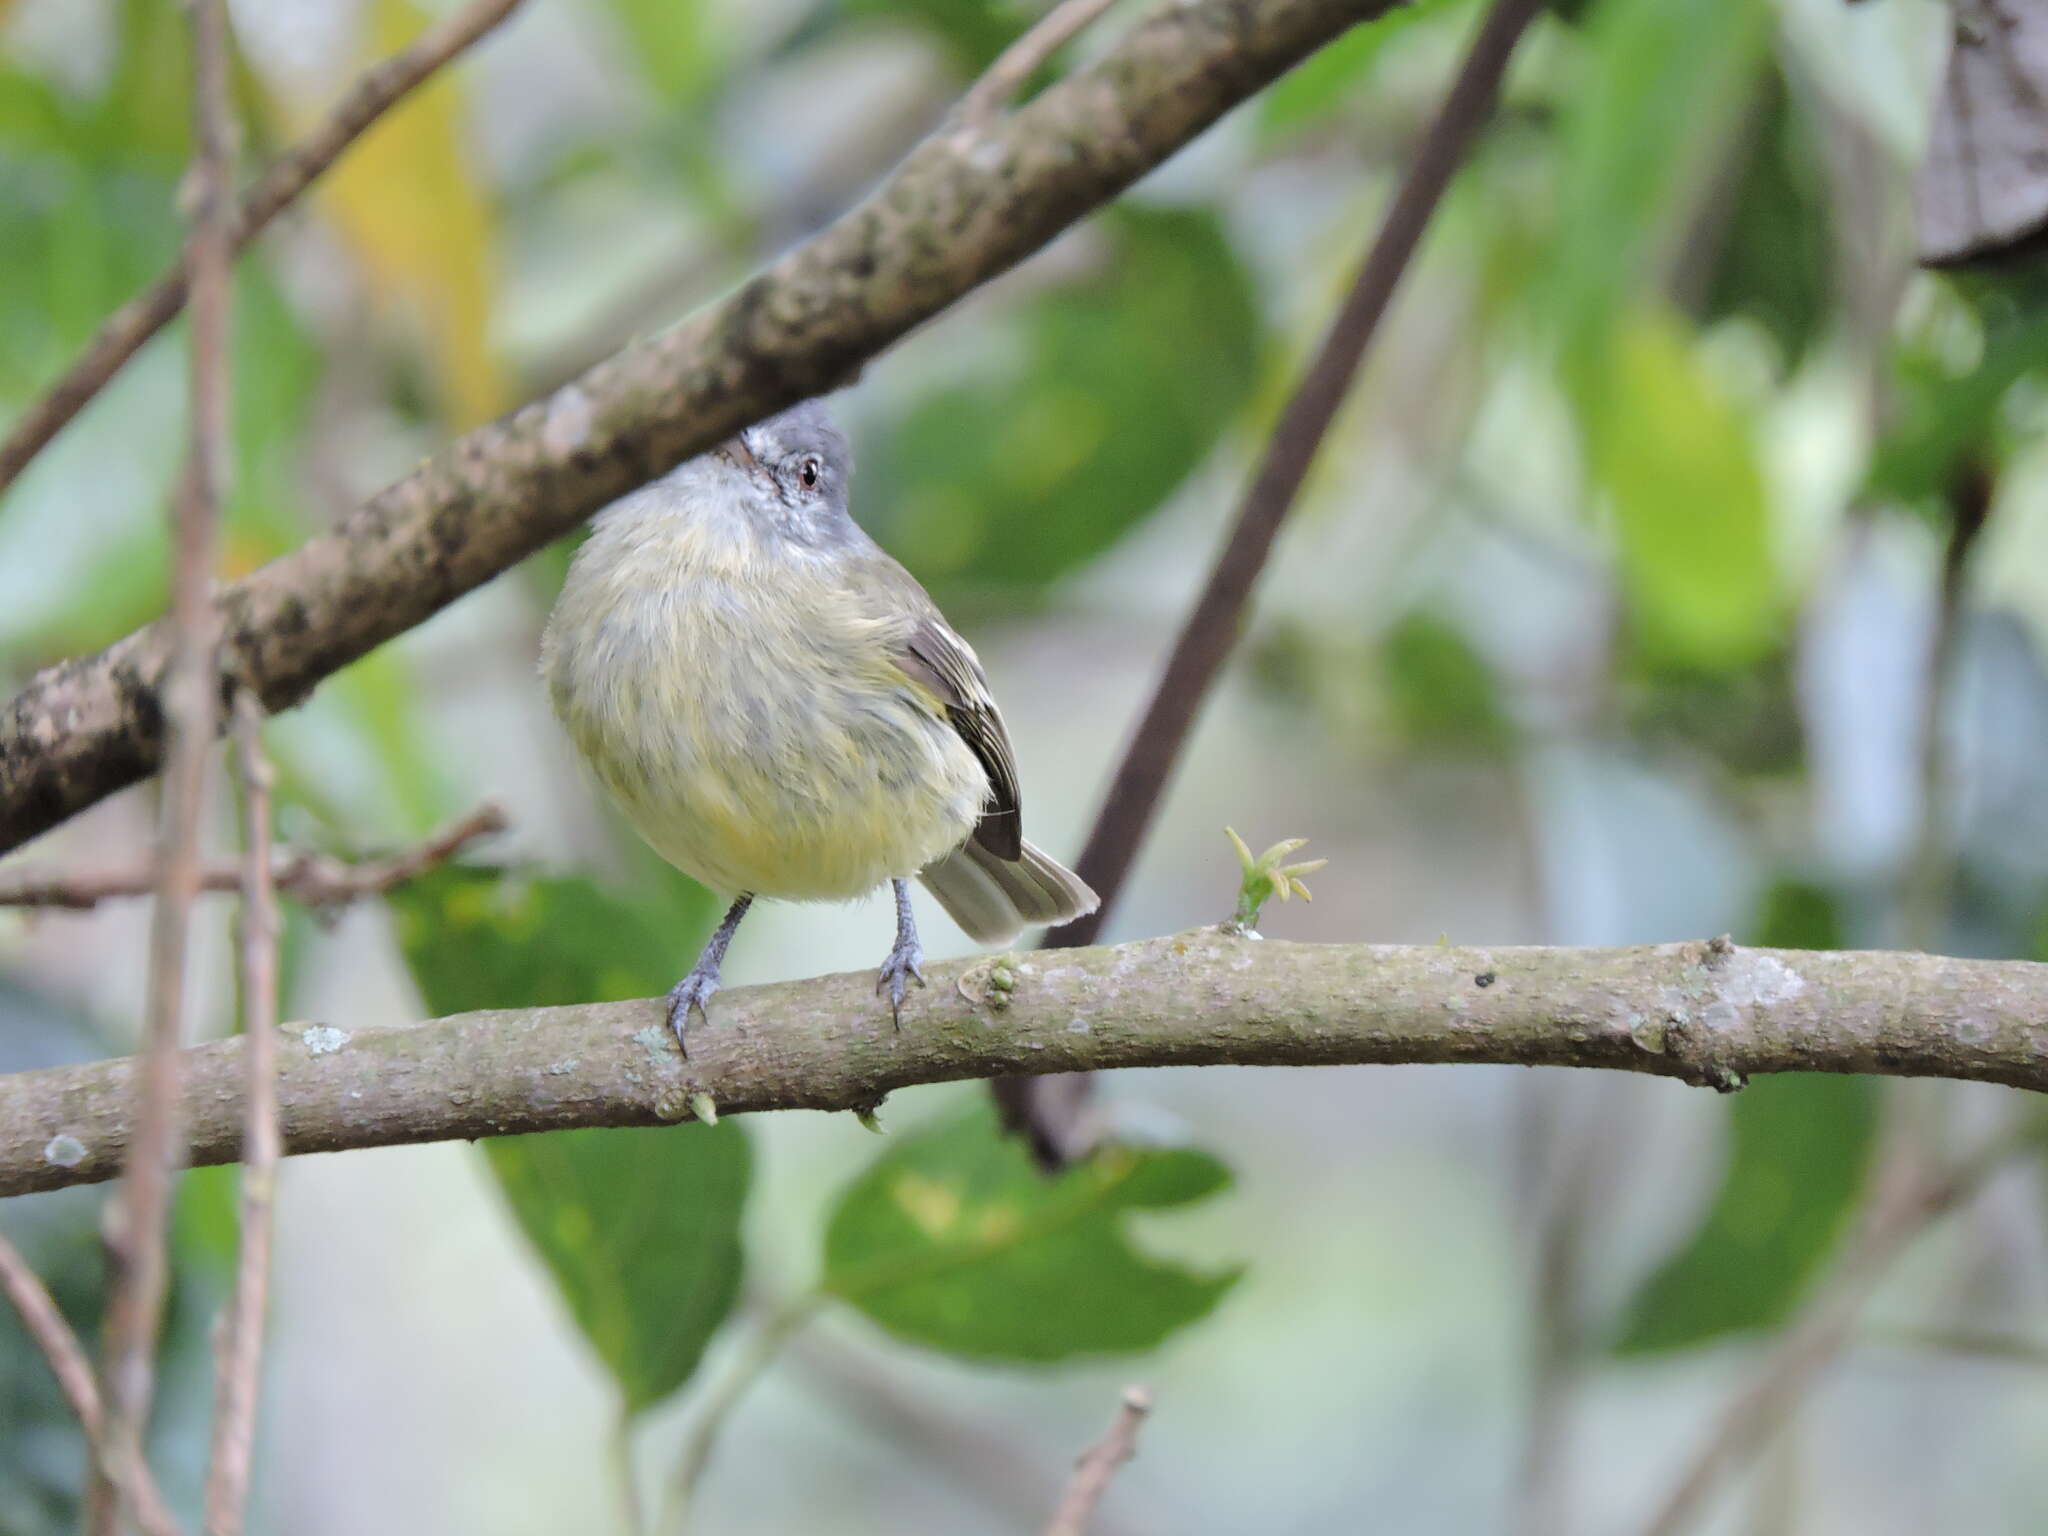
(312, 879)
(138, 1238)
(131, 327)
(239, 1369)
(1098, 1464)
(1051, 1116)
(1703, 1013)
(961, 208)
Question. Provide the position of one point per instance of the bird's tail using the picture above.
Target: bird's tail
(994, 899)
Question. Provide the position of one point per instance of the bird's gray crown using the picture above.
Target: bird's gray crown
(806, 427)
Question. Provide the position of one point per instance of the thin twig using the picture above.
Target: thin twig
(315, 880)
(1050, 1115)
(1016, 64)
(984, 1459)
(66, 1356)
(241, 1347)
(1802, 1354)
(775, 1331)
(52, 1335)
(130, 327)
(137, 1235)
(1098, 1464)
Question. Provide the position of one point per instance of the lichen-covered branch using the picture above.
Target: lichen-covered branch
(968, 203)
(1710, 1014)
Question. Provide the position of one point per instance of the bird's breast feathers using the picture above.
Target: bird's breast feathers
(748, 714)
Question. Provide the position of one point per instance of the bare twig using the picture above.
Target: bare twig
(66, 1356)
(1051, 1116)
(984, 1459)
(1016, 64)
(312, 879)
(241, 1346)
(130, 327)
(958, 210)
(137, 1238)
(1803, 1353)
(1098, 1464)
(53, 1336)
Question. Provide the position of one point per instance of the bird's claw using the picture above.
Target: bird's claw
(897, 972)
(689, 996)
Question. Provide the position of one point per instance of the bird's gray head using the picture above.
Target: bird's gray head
(796, 467)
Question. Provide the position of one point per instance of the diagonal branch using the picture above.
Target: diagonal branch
(33, 1303)
(1053, 1117)
(964, 206)
(1703, 1013)
(131, 327)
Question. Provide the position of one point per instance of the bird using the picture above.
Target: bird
(780, 710)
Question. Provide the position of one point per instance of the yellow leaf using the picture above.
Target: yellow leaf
(408, 203)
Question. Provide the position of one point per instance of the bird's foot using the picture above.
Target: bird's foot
(898, 971)
(689, 996)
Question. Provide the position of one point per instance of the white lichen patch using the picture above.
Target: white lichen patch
(64, 1151)
(1747, 979)
(570, 418)
(324, 1039)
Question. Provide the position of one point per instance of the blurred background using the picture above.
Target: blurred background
(1642, 592)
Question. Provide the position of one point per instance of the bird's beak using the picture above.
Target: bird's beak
(734, 451)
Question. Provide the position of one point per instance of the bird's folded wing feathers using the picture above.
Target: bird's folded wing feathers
(942, 662)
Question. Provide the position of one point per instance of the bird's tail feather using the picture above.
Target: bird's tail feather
(994, 899)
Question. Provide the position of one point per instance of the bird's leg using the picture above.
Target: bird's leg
(903, 961)
(691, 993)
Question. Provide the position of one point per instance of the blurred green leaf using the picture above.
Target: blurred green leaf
(1687, 495)
(641, 1230)
(1797, 914)
(1775, 263)
(1658, 77)
(674, 47)
(1746, 719)
(973, 32)
(1007, 482)
(1313, 89)
(485, 939)
(1943, 415)
(1440, 691)
(952, 1239)
(1801, 1151)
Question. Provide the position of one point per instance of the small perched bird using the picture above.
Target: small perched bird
(780, 709)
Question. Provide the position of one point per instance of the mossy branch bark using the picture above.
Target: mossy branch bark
(969, 202)
(1709, 1014)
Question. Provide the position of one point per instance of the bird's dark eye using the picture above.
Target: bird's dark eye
(809, 474)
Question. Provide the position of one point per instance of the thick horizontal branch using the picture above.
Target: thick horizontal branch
(968, 203)
(1706, 1013)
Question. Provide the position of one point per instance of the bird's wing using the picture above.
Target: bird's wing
(943, 662)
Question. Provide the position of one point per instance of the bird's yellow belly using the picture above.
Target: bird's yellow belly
(746, 787)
